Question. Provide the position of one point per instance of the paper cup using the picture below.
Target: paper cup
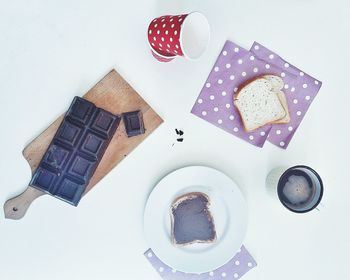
(181, 35)
(161, 57)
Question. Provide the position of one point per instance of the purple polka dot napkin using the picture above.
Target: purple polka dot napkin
(235, 66)
(299, 93)
(239, 265)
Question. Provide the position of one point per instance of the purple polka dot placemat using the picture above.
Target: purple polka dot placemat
(239, 265)
(235, 66)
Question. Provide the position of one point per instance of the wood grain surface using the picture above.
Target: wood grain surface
(113, 94)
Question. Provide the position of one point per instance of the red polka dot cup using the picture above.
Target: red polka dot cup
(181, 35)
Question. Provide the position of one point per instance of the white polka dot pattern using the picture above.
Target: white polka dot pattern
(234, 67)
(300, 89)
(238, 266)
(166, 29)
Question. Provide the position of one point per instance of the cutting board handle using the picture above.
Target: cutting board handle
(15, 208)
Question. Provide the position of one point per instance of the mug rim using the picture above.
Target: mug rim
(321, 189)
(188, 16)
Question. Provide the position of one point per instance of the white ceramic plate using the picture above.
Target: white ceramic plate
(228, 208)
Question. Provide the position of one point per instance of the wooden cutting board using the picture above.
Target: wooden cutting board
(113, 94)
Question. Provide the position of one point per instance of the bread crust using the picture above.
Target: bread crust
(286, 118)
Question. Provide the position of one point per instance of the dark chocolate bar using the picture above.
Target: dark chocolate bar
(75, 151)
(133, 122)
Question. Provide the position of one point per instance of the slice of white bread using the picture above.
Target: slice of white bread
(258, 104)
(277, 85)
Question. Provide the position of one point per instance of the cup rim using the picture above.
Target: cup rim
(321, 189)
(181, 34)
(162, 56)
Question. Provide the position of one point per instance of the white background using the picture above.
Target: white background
(51, 51)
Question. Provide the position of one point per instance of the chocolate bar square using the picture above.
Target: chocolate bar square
(75, 151)
(133, 122)
(44, 178)
(70, 190)
(56, 156)
(82, 168)
(103, 122)
(93, 144)
(81, 110)
(69, 133)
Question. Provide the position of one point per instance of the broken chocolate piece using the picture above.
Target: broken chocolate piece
(191, 220)
(75, 151)
(133, 122)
